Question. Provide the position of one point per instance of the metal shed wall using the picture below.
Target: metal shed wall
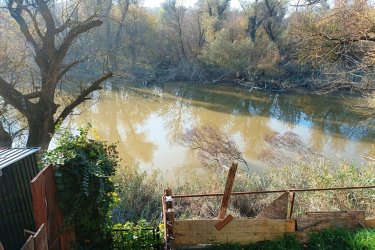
(16, 200)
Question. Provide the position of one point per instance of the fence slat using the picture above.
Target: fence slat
(52, 207)
(40, 238)
(46, 211)
(29, 245)
(39, 202)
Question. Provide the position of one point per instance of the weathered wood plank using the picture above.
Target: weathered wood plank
(370, 223)
(278, 209)
(53, 227)
(334, 219)
(191, 232)
(39, 202)
(224, 222)
(29, 245)
(227, 191)
(40, 238)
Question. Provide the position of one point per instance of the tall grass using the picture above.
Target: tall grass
(140, 193)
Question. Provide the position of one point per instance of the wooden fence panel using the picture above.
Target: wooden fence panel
(38, 190)
(40, 238)
(46, 210)
(243, 231)
(29, 245)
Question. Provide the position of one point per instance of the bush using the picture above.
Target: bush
(84, 171)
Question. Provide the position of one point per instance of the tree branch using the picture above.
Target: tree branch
(75, 32)
(35, 23)
(14, 97)
(32, 95)
(16, 13)
(82, 97)
(69, 66)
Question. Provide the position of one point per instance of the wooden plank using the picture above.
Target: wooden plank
(370, 223)
(53, 227)
(67, 238)
(346, 209)
(224, 222)
(192, 232)
(335, 219)
(278, 209)
(39, 202)
(40, 238)
(29, 245)
(228, 191)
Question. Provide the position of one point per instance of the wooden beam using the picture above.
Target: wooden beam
(241, 231)
(168, 219)
(228, 190)
(220, 225)
(346, 209)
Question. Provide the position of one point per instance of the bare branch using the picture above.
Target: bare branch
(14, 97)
(77, 30)
(82, 97)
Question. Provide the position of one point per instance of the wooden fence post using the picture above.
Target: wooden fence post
(168, 219)
(228, 190)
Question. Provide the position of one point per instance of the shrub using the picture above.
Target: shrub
(84, 171)
(363, 240)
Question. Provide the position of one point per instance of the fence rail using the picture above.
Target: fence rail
(179, 196)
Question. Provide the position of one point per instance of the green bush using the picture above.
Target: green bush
(363, 240)
(84, 171)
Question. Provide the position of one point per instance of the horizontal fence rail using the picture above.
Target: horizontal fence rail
(178, 196)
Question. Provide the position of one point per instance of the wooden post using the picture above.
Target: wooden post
(293, 196)
(168, 219)
(228, 190)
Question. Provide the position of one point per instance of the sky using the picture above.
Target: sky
(187, 3)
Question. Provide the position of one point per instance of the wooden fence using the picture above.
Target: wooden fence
(47, 212)
(273, 222)
(37, 241)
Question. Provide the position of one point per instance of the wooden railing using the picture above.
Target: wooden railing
(273, 222)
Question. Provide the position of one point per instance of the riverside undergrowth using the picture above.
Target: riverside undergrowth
(140, 193)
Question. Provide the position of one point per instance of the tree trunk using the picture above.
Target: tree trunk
(40, 133)
(5, 138)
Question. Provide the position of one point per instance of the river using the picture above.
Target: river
(147, 122)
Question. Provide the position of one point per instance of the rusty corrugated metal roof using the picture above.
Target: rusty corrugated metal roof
(11, 155)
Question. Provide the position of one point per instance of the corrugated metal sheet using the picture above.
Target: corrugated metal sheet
(19, 167)
(11, 155)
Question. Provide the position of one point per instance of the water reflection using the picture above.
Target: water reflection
(148, 121)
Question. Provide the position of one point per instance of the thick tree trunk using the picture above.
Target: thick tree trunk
(40, 133)
(5, 138)
(41, 124)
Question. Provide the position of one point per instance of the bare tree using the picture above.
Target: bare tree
(212, 145)
(50, 45)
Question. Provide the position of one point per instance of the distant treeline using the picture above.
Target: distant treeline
(270, 43)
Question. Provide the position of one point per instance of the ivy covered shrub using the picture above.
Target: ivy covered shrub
(84, 170)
